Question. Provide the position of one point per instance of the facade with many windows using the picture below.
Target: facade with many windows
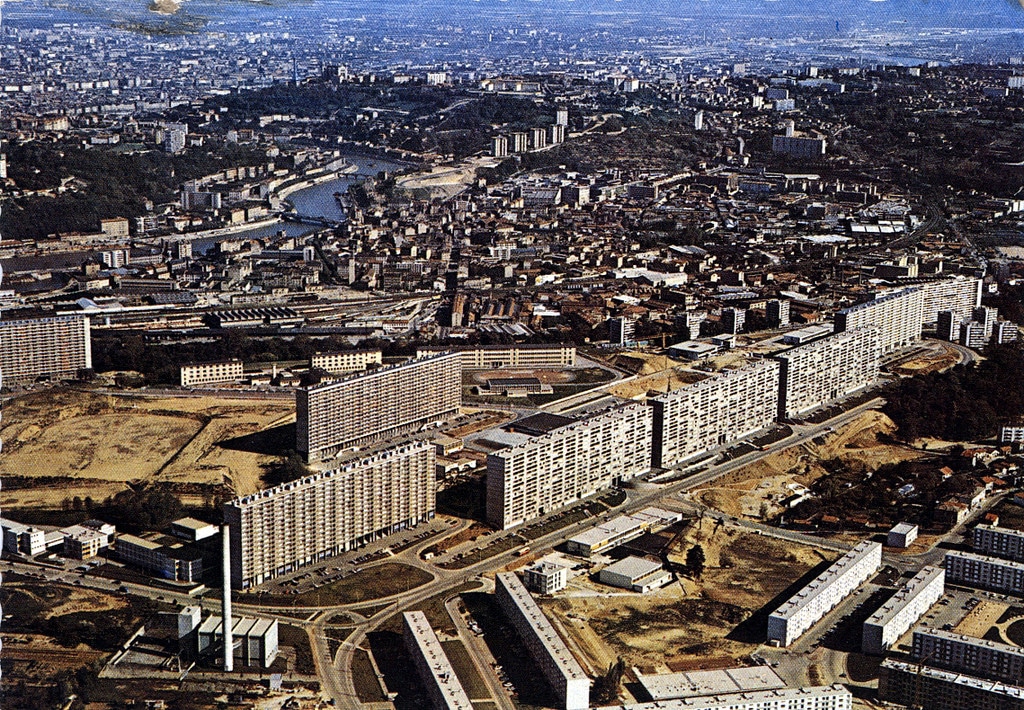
(346, 360)
(985, 572)
(208, 373)
(902, 611)
(820, 372)
(56, 347)
(1001, 542)
(553, 470)
(528, 356)
(897, 315)
(295, 524)
(373, 406)
(729, 406)
(966, 654)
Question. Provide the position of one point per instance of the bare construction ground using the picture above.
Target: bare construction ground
(95, 444)
(688, 624)
(769, 480)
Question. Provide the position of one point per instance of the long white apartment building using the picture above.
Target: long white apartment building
(974, 570)
(898, 316)
(525, 356)
(965, 654)
(823, 371)
(368, 407)
(713, 412)
(916, 685)
(823, 594)
(56, 347)
(346, 361)
(295, 524)
(894, 618)
(546, 647)
(997, 541)
(823, 697)
(960, 294)
(544, 473)
(198, 374)
(433, 666)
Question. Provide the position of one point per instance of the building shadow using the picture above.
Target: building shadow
(271, 442)
(754, 630)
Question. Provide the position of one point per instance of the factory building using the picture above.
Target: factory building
(432, 665)
(545, 646)
(57, 347)
(999, 542)
(902, 611)
(369, 407)
(985, 572)
(729, 406)
(898, 316)
(254, 641)
(802, 611)
(826, 370)
(965, 654)
(636, 574)
(547, 472)
(295, 524)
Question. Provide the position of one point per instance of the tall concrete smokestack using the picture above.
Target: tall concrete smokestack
(229, 646)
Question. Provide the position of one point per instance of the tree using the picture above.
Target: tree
(695, 561)
(608, 686)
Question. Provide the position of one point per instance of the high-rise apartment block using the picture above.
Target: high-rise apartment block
(295, 524)
(1001, 542)
(947, 326)
(499, 147)
(797, 146)
(733, 320)
(966, 654)
(546, 647)
(823, 594)
(571, 462)
(896, 616)
(710, 413)
(960, 294)
(898, 316)
(777, 313)
(973, 570)
(369, 407)
(346, 361)
(621, 331)
(56, 347)
(825, 370)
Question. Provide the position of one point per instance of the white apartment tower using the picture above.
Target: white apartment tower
(729, 406)
(896, 616)
(572, 462)
(817, 373)
(56, 347)
(368, 407)
(295, 524)
(897, 315)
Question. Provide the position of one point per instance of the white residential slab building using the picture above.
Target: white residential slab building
(966, 654)
(826, 370)
(999, 542)
(810, 604)
(985, 572)
(825, 697)
(729, 406)
(433, 666)
(548, 472)
(902, 611)
(898, 316)
(546, 647)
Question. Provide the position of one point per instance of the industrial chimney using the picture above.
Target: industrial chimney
(229, 646)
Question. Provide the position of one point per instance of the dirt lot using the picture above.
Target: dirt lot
(688, 624)
(664, 381)
(106, 441)
(768, 480)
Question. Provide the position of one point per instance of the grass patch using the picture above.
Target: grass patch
(297, 638)
(365, 679)
(371, 583)
(433, 608)
(468, 675)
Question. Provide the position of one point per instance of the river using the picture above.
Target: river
(316, 201)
